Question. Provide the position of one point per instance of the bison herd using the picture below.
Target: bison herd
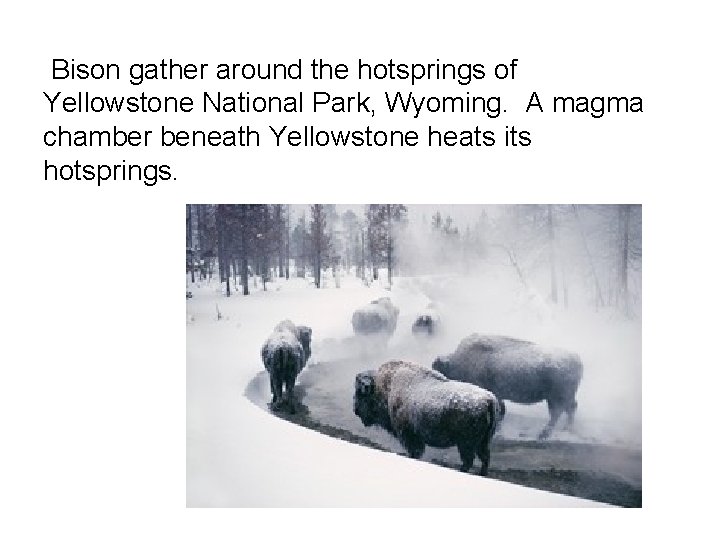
(458, 403)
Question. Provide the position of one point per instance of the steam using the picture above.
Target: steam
(493, 277)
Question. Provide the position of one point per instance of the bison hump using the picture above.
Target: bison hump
(286, 325)
(282, 340)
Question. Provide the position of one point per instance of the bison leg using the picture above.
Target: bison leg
(555, 412)
(276, 388)
(413, 443)
(467, 455)
(289, 387)
(570, 409)
(484, 455)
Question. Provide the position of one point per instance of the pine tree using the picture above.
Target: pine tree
(381, 219)
(319, 238)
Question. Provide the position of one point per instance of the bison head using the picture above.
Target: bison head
(367, 403)
(442, 364)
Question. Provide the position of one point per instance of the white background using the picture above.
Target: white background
(92, 395)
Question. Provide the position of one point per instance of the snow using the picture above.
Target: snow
(239, 455)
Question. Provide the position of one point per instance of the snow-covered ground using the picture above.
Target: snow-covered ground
(240, 455)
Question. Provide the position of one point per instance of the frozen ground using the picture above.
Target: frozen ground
(240, 455)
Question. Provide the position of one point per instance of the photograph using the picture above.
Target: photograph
(384, 355)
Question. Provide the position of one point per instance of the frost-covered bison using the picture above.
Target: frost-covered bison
(422, 407)
(427, 322)
(379, 317)
(518, 371)
(284, 354)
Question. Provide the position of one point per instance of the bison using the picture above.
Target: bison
(422, 407)
(284, 354)
(427, 322)
(379, 317)
(518, 371)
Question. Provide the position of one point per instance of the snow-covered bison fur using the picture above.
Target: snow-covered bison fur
(378, 317)
(303, 333)
(285, 354)
(427, 322)
(422, 407)
(518, 371)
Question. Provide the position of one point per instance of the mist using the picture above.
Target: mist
(565, 276)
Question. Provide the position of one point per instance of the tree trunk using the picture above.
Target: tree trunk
(222, 255)
(287, 246)
(244, 250)
(389, 249)
(201, 227)
(599, 300)
(265, 277)
(551, 240)
(244, 275)
(624, 227)
(190, 242)
(362, 254)
(227, 281)
(303, 256)
(371, 253)
(515, 264)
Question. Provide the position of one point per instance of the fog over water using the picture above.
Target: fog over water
(566, 276)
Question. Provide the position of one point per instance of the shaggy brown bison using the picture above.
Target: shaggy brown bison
(518, 371)
(422, 407)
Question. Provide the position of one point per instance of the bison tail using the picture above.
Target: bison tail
(280, 361)
(494, 416)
